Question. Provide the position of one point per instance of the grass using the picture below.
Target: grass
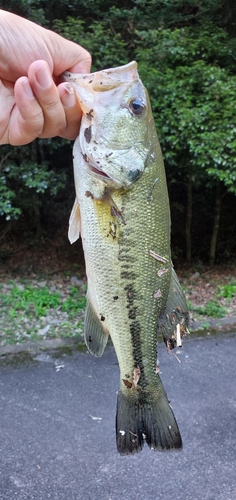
(211, 309)
(74, 302)
(37, 301)
(227, 291)
(31, 312)
(30, 301)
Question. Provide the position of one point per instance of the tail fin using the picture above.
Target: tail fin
(151, 422)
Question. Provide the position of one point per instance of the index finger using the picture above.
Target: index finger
(68, 56)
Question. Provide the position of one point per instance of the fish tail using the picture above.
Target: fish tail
(153, 422)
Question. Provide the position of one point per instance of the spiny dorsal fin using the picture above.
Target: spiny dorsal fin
(173, 324)
(95, 333)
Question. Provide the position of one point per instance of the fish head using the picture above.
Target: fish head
(114, 135)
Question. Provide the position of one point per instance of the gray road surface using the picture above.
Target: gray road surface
(57, 436)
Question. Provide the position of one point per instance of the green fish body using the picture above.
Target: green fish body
(122, 213)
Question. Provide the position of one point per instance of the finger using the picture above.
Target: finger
(68, 55)
(22, 42)
(72, 110)
(7, 103)
(29, 119)
(48, 98)
(26, 118)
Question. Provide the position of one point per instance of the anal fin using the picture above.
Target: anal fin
(96, 335)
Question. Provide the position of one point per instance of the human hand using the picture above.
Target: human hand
(32, 101)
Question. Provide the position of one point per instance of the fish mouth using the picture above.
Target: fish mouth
(95, 169)
(99, 172)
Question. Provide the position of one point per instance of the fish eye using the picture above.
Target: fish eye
(136, 106)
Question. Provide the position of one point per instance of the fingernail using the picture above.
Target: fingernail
(68, 99)
(27, 89)
(44, 77)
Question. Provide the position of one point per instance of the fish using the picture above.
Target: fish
(122, 213)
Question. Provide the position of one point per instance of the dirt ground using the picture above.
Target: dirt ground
(205, 285)
(201, 283)
(59, 266)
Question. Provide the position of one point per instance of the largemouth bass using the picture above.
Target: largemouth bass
(122, 213)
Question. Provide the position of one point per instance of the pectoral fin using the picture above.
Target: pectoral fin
(173, 324)
(74, 223)
(95, 332)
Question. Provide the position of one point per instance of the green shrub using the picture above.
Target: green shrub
(75, 302)
(30, 300)
(228, 291)
(212, 309)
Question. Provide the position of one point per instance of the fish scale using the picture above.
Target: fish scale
(122, 213)
(141, 238)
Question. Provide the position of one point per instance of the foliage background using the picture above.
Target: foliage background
(186, 51)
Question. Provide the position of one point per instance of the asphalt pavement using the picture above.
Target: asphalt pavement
(57, 427)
